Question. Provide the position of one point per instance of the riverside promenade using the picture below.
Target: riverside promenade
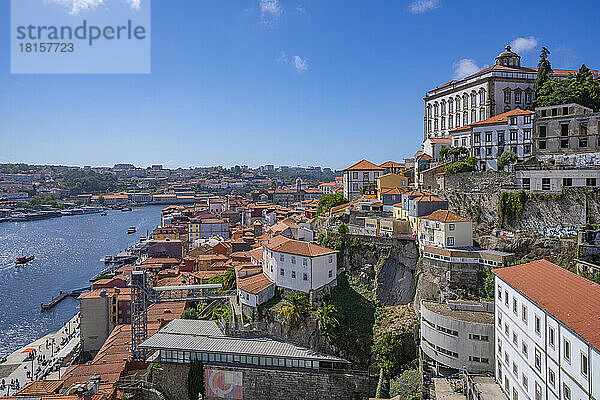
(42, 356)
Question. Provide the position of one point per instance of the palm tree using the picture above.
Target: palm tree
(329, 323)
(295, 307)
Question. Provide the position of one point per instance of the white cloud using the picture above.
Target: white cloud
(422, 6)
(301, 10)
(464, 68)
(523, 44)
(77, 6)
(300, 64)
(270, 10)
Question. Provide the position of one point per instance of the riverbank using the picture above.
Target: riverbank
(46, 357)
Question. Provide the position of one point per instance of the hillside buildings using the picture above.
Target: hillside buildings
(547, 333)
(358, 176)
(503, 87)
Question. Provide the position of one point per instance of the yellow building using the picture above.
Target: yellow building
(165, 233)
(390, 181)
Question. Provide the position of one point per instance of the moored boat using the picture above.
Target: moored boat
(131, 230)
(22, 260)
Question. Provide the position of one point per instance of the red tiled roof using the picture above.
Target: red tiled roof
(254, 284)
(364, 165)
(391, 164)
(570, 298)
(285, 245)
(446, 216)
(257, 254)
(395, 190)
(498, 119)
(427, 198)
(440, 140)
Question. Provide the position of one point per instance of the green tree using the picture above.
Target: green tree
(330, 200)
(462, 166)
(294, 308)
(189, 313)
(488, 284)
(343, 228)
(506, 158)
(329, 321)
(226, 279)
(195, 382)
(388, 353)
(544, 70)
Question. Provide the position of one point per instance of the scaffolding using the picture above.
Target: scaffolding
(142, 295)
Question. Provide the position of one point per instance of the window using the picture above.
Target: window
(450, 106)
(538, 391)
(465, 101)
(524, 348)
(513, 135)
(566, 392)
(564, 143)
(450, 122)
(527, 119)
(527, 149)
(281, 257)
(477, 138)
(554, 112)
(526, 134)
(500, 320)
(584, 365)
(525, 381)
(355, 175)
(537, 325)
(542, 131)
(515, 306)
(507, 95)
(564, 130)
(281, 272)
(477, 151)
(507, 385)
(515, 338)
(518, 96)
(545, 183)
(515, 369)
(457, 120)
(590, 181)
(583, 128)
(499, 294)
(293, 260)
(465, 118)
(506, 357)
(583, 142)
(528, 97)
(450, 241)
(499, 346)
(473, 100)
(330, 273)
(551, 336)
(443, 107)
(473, 116)
(365, 176)
(567, 182)
(538, 360)
(524, 313)
(506, 329)
(567, 350)
(481, 114)
(506, 299)
(304, 261)
(293, 274)
(451, 227)
(526, 183)
(330, 259)
(551, 377)
(482, 96)
(305, 276)
(513, 120)
(500, 137)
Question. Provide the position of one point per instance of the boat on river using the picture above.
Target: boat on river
(22, 260)
(131, 230)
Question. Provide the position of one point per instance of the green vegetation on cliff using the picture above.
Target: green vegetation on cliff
(510, 205)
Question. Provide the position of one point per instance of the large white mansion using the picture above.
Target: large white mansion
(494, 90)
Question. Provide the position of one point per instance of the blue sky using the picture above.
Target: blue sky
(288, 82)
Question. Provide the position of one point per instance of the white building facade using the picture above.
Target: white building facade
(539, 355)
(299, 266)
(363, 173)
(488, 139)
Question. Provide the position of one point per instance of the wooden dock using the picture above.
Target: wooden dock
(61, 296)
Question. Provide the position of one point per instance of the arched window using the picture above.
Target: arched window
(506, 108)
(429, 126)
(481, 96)
(443, 122)
(435, 124)
(507, 95)
(518, 96)
(429, 111)
(443, 107)
(482, 114)
(465, 101)
(473, 99)
(465, 118)
(450, 105)
(450, 121)
(436, 109)
(457, 103)
(457, 120)
(473, 116)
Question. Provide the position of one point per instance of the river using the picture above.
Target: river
(68, 252)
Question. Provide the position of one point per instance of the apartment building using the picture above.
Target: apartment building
(557, 178)
(203, 228)
(488, 139)
(362, 174)
(300, 266)
(547, 333)
(443, 228)
(566, 130)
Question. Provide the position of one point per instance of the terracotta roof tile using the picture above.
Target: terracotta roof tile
(570, 298)
(445, 216)
(254, 284)
(285, 245)
(364, 165)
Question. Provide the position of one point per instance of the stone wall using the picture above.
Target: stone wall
(171, 380)
(479, 181)
(278, 384)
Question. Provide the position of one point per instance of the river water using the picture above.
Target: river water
(68, 252)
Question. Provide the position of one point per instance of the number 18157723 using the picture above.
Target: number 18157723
(46, 47)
